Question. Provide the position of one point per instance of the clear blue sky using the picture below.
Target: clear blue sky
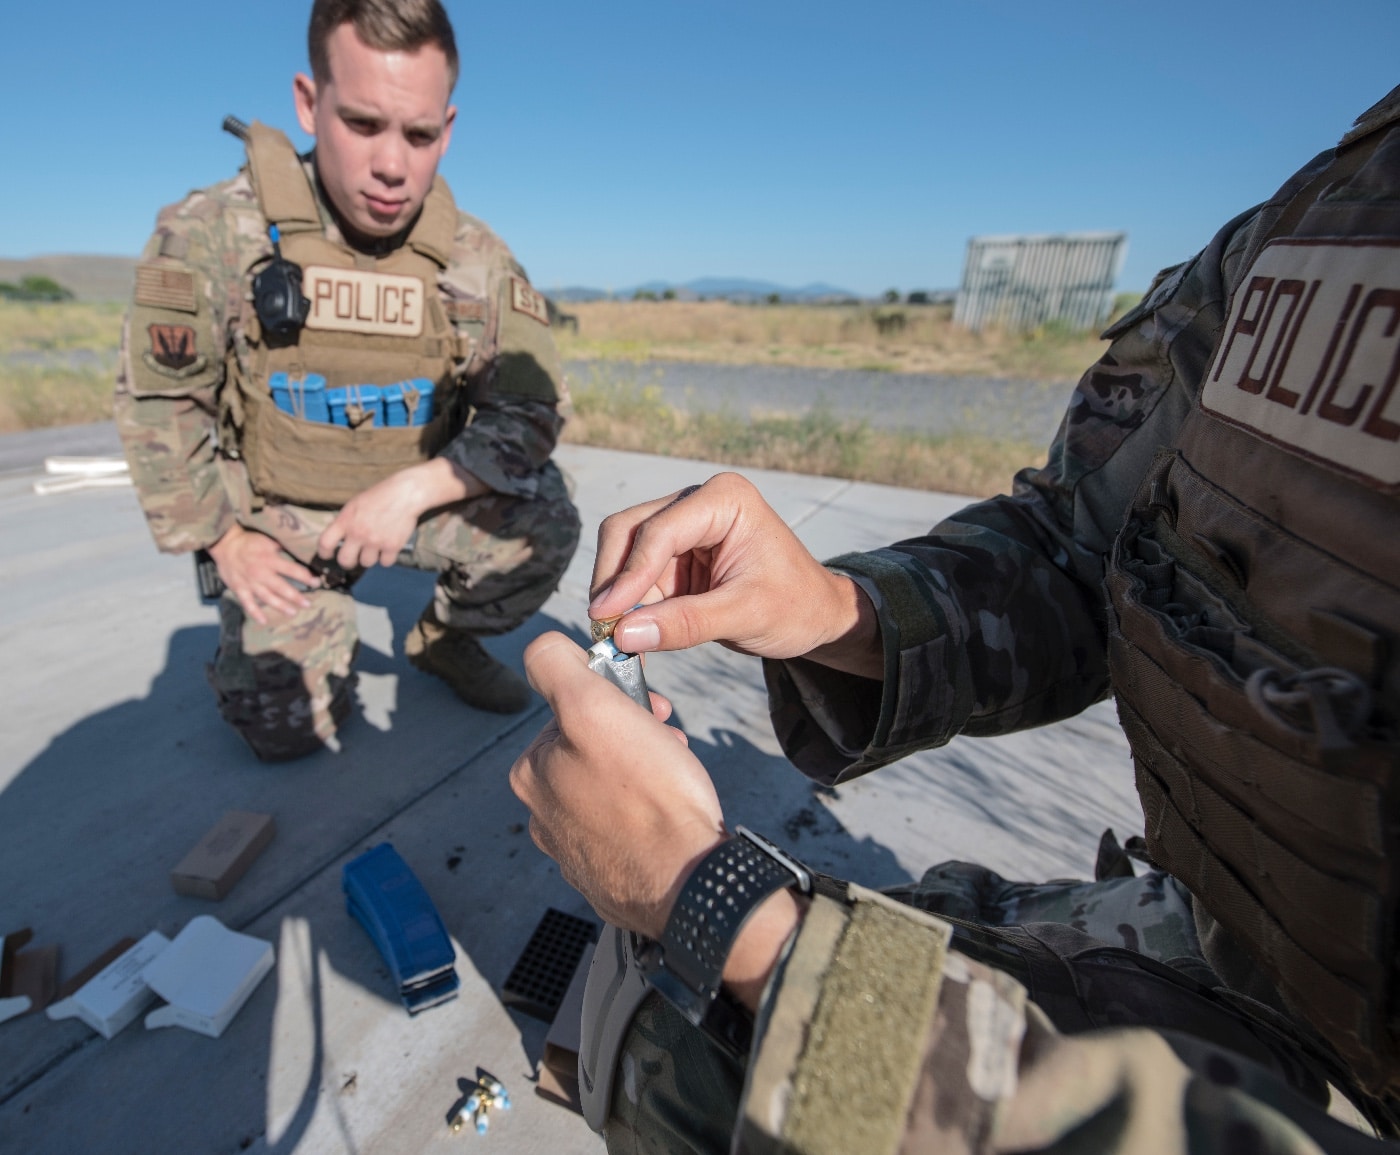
(790, 140)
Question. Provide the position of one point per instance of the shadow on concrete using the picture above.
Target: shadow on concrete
(91, 827)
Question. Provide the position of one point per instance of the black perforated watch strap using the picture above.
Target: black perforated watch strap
(687, 965)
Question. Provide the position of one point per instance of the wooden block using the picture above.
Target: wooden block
(224, 855)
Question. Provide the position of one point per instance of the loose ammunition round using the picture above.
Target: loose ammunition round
(602, 630)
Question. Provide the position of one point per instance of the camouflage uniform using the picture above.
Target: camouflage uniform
(1089, 1022)
(287, 686)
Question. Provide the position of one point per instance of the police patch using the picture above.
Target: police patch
(524, 299)
(172, 346)
(353, 301)
(1311, 352)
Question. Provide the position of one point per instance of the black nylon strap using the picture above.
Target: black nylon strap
(721, 892)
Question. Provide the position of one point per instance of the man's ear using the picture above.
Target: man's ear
(304, 95)
(448, 120)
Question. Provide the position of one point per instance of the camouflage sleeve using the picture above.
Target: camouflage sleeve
(506, 443)
(514, 391)
(169, 373)
(994, 620)
(877, 1037)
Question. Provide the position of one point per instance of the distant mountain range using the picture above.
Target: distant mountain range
(102, 278)
(725, 288)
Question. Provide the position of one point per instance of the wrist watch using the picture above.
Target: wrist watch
(686, 965)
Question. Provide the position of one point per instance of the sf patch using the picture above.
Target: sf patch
(524, 299)
(172, 346)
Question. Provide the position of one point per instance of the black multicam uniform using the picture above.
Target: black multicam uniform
(1244, 425)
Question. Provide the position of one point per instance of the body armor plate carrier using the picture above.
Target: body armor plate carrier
(373, 321)
(1256, 615)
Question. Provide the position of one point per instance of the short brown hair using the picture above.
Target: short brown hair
(387, 25)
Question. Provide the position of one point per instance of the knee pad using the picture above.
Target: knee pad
(280, 717)
(287, 687)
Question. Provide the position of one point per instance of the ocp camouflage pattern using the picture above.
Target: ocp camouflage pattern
(287, 687)
(170, 432)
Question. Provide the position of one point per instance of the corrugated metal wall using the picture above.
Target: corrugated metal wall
(1022, 282)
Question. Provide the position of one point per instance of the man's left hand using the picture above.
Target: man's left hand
(616, 797)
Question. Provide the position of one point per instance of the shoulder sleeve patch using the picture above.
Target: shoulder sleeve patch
(175, 246)
(172, 346)
(164, 287)
(524, 299)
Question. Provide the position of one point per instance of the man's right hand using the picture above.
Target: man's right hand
(259, 574)
(727, 568)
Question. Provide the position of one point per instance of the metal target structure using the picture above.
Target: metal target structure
(1021, 282)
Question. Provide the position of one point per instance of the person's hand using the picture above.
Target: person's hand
(373, 526)
(718, 564)
(259, 574)
(615, 796)
(619, 802)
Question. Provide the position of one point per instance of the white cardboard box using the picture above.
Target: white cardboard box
(116, 994)
(206, 976)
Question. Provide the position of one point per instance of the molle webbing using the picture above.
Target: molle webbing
(1268, 788)
(436, 230)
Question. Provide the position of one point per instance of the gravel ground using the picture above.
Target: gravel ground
(926, 403)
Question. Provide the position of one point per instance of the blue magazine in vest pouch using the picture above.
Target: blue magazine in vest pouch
(356, 405)
(386, 898)
(303, 397)
(408, 402)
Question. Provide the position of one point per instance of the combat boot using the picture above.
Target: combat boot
(462, 662)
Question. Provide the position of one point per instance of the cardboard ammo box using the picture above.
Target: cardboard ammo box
(109, 1000)
(205, 976)
(224, 855)
(558, 1079)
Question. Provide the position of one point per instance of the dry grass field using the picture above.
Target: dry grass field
(894, 338)
(57, 363)
(621, 415)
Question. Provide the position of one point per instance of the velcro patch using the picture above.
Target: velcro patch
(162, 287)
(1311, 352)
(175, 246)
(172, 345)
(353, 301)
(465, 310)
(524, 299)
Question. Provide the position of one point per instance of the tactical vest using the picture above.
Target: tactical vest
(1254, 636)
(373, 321)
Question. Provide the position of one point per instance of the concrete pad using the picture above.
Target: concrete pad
(113, 763)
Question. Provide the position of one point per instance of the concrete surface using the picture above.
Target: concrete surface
(113, 762)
